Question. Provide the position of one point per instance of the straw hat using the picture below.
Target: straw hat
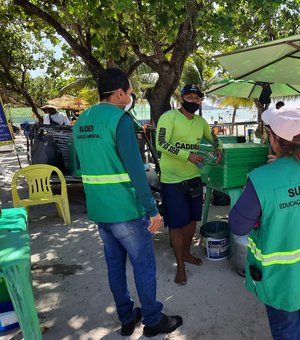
(48, 106)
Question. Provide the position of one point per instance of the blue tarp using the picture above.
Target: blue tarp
(5, 134)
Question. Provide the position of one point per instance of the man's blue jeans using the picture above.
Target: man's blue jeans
(132, 238)
(284, 325)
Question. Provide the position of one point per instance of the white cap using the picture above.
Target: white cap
(285, 122)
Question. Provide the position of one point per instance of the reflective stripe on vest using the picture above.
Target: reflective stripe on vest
(105, 179)
(284, 257)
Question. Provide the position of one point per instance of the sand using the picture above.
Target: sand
(70, 285)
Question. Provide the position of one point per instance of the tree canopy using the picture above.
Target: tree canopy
(161, 34)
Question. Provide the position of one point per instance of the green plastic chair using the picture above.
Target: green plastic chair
(15, 269)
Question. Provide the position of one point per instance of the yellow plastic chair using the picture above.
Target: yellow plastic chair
(39, 189)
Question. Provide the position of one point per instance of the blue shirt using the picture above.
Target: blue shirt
(246, 212)
(132, 160)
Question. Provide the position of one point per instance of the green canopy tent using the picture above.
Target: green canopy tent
(251, 89)
(277, 61)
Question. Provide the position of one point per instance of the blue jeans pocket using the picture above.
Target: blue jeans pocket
(122, 230)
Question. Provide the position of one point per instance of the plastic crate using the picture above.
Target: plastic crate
(238, 160)
(225, 177)
(224, 139)
(241, 154)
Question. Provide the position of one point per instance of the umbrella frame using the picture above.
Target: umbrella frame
(262, 46)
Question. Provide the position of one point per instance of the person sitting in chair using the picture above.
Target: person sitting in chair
(53, 117)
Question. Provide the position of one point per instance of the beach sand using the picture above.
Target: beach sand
(70, 285)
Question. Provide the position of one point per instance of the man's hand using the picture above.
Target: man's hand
(155, 223)
(219, 155)
(195, 158)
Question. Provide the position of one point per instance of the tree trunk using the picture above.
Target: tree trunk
(159, 100)
(159, 96)
(33, 105)
(169, 70)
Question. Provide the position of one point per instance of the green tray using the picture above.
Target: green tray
(241, 154)
(226, 177)
(238, 160)
(224, 140)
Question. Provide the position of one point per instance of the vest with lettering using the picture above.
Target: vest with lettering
(110, 195)
(274, 247)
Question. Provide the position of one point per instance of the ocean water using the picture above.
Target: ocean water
(142, 113)
(225, 115)
(222, 116)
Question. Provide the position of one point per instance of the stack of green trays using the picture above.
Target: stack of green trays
(224, 139)
(238, 160)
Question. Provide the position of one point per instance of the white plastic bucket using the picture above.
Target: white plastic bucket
(216, 249)
(216, 240)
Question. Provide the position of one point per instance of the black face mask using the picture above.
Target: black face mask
(191, 107)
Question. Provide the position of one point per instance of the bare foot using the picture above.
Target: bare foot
(180, 277)
(193, 260)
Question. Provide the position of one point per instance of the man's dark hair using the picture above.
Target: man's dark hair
(111, 80)
(279, 104)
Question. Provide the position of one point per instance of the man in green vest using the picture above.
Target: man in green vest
(119, 200)
(269, 208)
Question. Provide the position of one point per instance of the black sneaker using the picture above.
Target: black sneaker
(167, 324)
(128, 328)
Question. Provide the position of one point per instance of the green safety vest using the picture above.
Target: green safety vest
(110, 195)
(274, 247)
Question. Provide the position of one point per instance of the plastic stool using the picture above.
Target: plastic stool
(15, 269)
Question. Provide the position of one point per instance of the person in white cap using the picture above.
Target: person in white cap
(269, 208)
(53, 117)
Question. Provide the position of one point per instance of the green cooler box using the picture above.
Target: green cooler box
(238, 160)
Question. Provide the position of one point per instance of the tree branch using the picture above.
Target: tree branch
(10, 79)
(23, 79)
(134, 67)
(168, 49)
(82, 51)
(155, 44)
(82, 39)
(136, 49)
(185, 42)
